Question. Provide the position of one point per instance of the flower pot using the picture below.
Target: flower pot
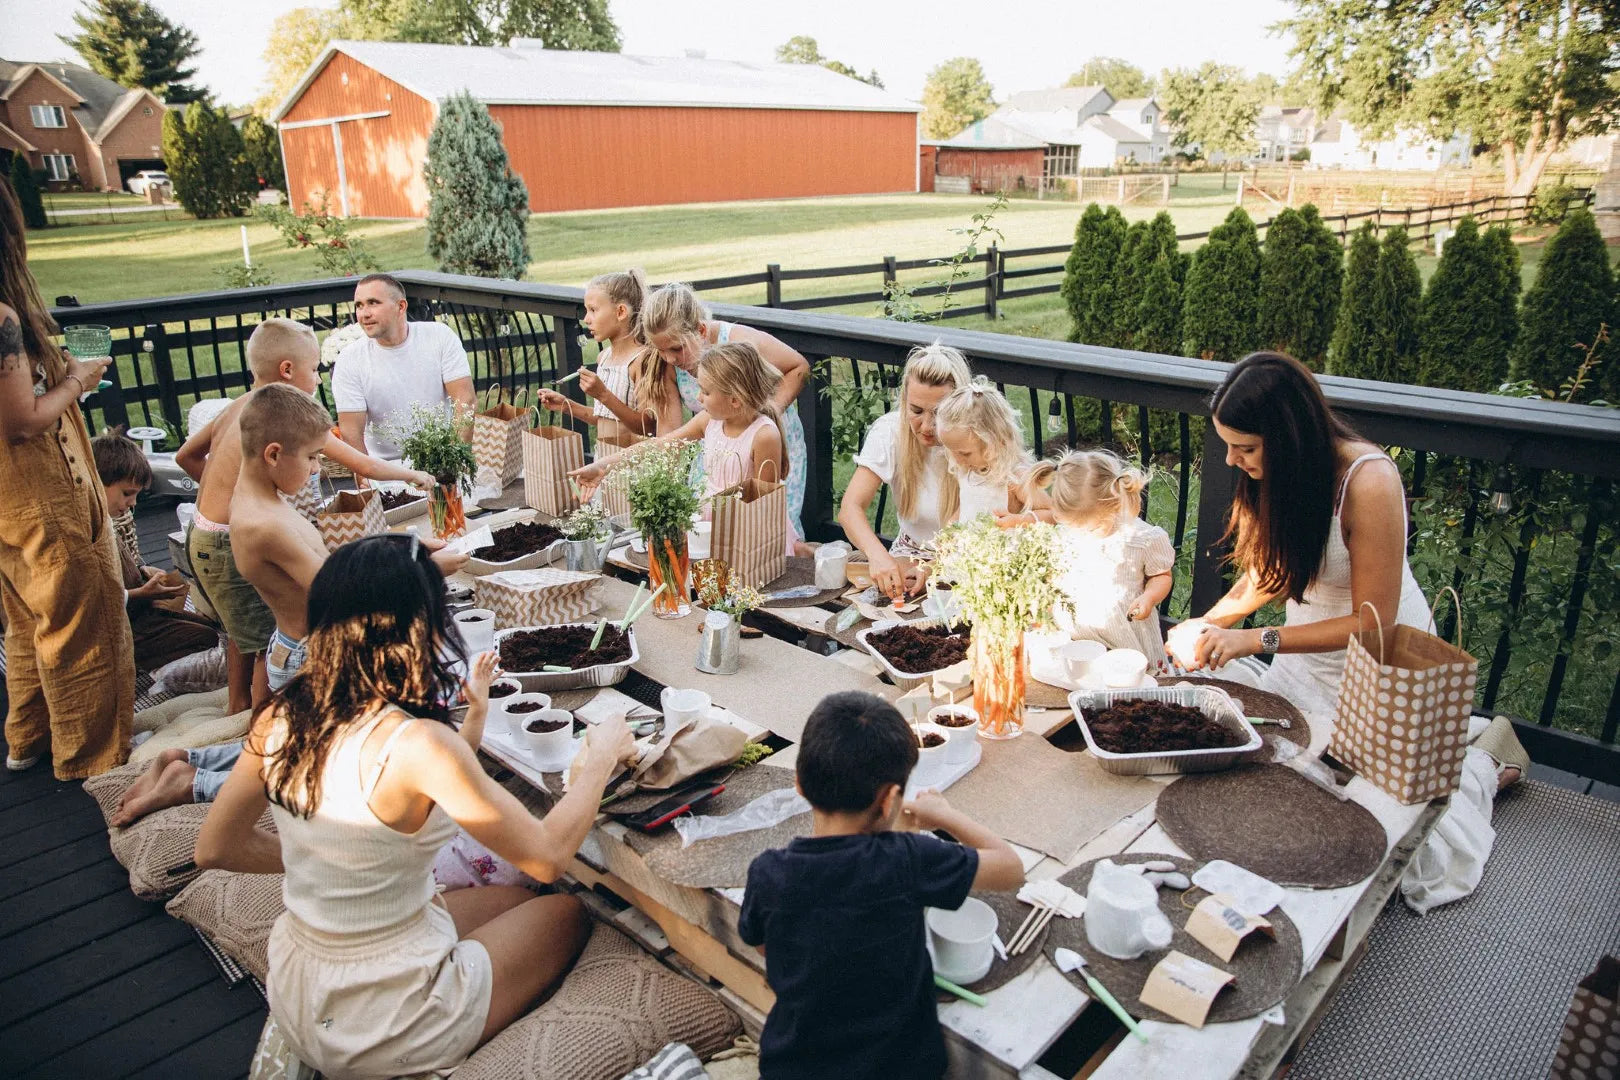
(446, 509)
(720, 648)
(998, 683)
(668, 563)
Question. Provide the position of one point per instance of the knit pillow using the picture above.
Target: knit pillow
(613, 1011)
(108, 787)
(159, 849)
(236, 911)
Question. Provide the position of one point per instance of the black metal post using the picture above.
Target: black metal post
(992, 282)
(1217, 484)
(815, 411)
(163, 371)
(773, 285)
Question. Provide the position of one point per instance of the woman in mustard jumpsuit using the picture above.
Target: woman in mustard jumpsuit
(70, 662)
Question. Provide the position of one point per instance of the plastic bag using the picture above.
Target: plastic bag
(770, 809)
(194, 674)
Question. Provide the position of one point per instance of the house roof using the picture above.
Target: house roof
(1131, 103)
(521, 74)
(102, 102)
(1061, 97)
(22, 143)
(991, 133)
(1115, 130)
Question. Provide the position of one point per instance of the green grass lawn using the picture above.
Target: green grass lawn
(89, 200)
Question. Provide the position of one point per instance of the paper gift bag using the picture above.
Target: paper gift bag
(310, 499)
(549, 455)
(349, 516)
(613, 440)
(1589, 1046)
(750, 530)
(498, 442)
(540, 597)
(1403, 710)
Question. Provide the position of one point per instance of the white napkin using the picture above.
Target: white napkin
(1050, 892)
(1250, 893)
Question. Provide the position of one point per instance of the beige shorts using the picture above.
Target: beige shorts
(405, 1001)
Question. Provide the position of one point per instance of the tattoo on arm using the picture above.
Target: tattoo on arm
(12, 357)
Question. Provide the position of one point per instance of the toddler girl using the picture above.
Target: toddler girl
(1116, 567)
(984, 438)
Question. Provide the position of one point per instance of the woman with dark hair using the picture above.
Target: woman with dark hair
(70, 659)
(1318, 520)
(372, 973)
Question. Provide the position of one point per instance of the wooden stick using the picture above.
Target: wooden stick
(1018, 934)
(1035, 931)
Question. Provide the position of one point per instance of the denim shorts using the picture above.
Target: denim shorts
(285, 657)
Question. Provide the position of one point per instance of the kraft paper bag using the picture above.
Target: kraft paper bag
(549, 455)
(750, 530)
(349, 516)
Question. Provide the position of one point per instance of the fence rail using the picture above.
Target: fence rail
(173, 350)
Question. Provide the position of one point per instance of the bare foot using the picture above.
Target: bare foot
(150, 777)
(1507, 776)
(172, 788)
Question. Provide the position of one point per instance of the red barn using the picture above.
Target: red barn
(589, 130)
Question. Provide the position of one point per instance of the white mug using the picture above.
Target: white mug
(961, 940)
(1079, 658)
(831, 561)
(546, 746)
(698, 540)
(1122, 917)
(477, 626)
(1121, 668)
(683, 706)
(958, 740)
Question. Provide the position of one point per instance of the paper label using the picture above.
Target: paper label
(1184, 987)
(471, 542)
(914, 704)
(1219, 926)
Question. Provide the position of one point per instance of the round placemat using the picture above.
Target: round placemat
(637, 559)
(1266, 968)
(1273, 821)
(799, 572)
(1010, 913)
(1261, 703)
(1044, 695)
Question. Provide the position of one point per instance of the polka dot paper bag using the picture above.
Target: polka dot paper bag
(1403, 710)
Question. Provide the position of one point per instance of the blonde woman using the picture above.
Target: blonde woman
(902, 450)
(981, 431)
(679, 329)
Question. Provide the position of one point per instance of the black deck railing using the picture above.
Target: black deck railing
(1539, 581)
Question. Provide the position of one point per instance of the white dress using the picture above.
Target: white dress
(1103, 575)
(976, 495)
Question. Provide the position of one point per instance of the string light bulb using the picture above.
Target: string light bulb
(1054, 416)
(1502, 491)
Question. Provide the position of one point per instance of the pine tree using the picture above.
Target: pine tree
(1328, 276)
(1219, 301)
(1398, 300)
(1162, 232)
(1301, 272)
(202, 151)
(477, 210)
(1351, 352)
(131, 43)
(26, 184)
(1467, 326)
(1505, 300)
(1135, 256)
(1159, 311)
(1088, 275)
(1572, 298)
(262, 150)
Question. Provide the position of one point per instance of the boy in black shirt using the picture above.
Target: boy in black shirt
(840, 913)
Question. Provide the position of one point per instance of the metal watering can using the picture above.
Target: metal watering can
(589, 556)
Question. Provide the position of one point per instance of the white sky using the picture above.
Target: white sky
(1023, 46)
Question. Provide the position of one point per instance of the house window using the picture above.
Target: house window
(1062, 161)
(58, 166)
(48, 116)
(147, 111)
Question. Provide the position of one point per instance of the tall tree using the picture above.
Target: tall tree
(1088, 275)
(803, 49)
(1562, 312)
(1121, 78)
(1352, 347)
(261, 148)
(131, 43)
(585, 25)
(1130, 269)
(1220, 301)
(1398, 299)
(1158, 321)
(1213, 108)
(1522, 77)
(1301, 270)
(202, 151)
(296, 38)
(1469, 314)
(26, 184)
(477, 210)
(1509, 284)
(954, 96)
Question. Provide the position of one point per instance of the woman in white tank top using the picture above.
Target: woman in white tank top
(373, 973)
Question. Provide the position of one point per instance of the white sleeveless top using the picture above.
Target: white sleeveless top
(1311, 680)
(616, 377)
(346, 871)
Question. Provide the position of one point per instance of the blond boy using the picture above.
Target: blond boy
(281, 351)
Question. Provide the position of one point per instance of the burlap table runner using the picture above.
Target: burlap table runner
(721, 863)
(1266, 968)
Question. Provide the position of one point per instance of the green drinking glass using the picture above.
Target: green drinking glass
(88, 342)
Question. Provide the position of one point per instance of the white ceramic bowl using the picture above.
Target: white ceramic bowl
(958, 740)
(1078, 659)
(1121, 667)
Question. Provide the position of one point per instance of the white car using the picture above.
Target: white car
(138, 183)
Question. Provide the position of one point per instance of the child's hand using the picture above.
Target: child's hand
(611, 739)
(588, 479)
(449, 562)
(1141, 608)
(887, 576)
(554, 401)
(591, 384)
(423, 481)
(927, 810)
(1009, 520)
(155, 588)
(476, 688)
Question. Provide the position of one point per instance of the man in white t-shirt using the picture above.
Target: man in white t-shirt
(399, 363)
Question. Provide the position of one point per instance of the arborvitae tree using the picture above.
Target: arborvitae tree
(26, 185)
(1088, 275)
(1135, 256)
(1162, 231)
(1301, 269)
(1469, 313)
(1399, 308)
(477, 210)
(202, 151)
(1218, 310)
(262, 149)
(1355, 326)
(1158, 323)
(1505, 301)
(131, 43)
(1572, 298)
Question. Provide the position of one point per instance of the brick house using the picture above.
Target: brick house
(75, 126)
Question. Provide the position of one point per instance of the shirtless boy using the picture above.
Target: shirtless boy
(280, 351)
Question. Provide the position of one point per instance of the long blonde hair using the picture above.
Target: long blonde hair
(927, 365)
(980, 408)
(737, 369)
(1089, 487)
(669, 307)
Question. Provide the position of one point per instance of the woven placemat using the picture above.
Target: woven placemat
(799, 572)
(1273, 821)
(1266, 968)
(510, 498)
(1044, 695)
(721, 863)
(637, 559)
(1261, 703)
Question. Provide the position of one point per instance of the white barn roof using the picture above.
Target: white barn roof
(524, 74)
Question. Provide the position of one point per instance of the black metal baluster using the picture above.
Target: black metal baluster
(1184, 491)
(1420, 469)
(1465, 545)
(1595, 505)
(1521, 562)
(1144, 455)
(1037, 422)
